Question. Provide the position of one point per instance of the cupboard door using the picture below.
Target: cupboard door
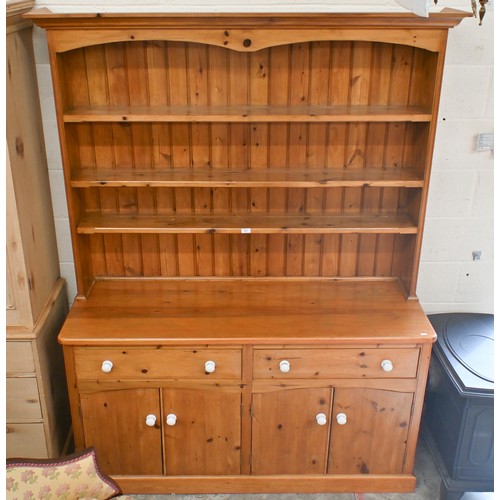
(369, 431)
(202, 431)
(115, 423)
(287, 438)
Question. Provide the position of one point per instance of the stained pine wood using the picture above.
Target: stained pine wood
(249, 188)
(143, 364)
(266, 114)
(373, 441)
(278, 483)
(286, 438)
(109, 416)
(262, 311)
(267, 224)
(341, 363)
(265, 119)
(206, 438)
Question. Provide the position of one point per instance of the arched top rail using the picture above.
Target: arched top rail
(245, 32)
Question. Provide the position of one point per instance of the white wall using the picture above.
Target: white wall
(460, 209)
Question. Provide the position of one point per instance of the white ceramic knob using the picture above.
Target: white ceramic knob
(210, 366)
(284, 366)
(321, 419)
(341, 418)
(387, 365)
(171, 419)
(151, 420)
(107, 366)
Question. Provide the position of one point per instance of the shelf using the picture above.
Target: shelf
(262, 310)
(182, 177)
(244, 224)
(242, 114)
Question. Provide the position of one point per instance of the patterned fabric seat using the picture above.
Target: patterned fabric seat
(74, 477)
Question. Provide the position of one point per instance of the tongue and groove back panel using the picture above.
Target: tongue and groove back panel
(305, 159)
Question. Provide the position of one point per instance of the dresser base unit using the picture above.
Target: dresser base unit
(202, 386)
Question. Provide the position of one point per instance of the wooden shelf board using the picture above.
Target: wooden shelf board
(200, 223)
(127, 114)
(262, 311)
(212, 177)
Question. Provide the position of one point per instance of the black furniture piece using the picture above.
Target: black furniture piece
(458, 412)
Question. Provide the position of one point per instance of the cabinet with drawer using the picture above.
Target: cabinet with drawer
(177, 408)
(332, 410)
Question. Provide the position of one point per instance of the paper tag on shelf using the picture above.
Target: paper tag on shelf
(246, 230)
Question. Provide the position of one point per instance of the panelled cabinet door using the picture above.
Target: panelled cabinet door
(369, 431)
(121, 426)
(202, 431)
(290, 431)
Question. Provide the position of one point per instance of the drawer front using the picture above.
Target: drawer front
(335, 363)
(26, 440)
(19, 357)
(23, 400)
(147, 364)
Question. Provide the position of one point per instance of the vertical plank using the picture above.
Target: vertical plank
(316, 151)
(178, 92)
(259, 156)
(299, 94)
(118, 86)
(361, 62)
(239, 157)
(218, 83)
(337, 141)
(279, 147)
(197, 81)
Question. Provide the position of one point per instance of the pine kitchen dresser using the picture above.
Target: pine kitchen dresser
(246, 196)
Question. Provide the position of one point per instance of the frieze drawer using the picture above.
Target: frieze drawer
(146, 364)
(335, 363)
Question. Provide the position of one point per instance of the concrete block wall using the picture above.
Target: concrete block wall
(460, 209)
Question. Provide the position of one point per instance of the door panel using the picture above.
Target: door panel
(206, 437)
(286, 438)
(373, 440)
(115, 423)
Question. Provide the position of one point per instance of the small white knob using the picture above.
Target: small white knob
(387, 365)
(284, 366)
(321, 419)
(171, 419)
(107, 366)
(210, 366)
(341, 418)
(151, 420)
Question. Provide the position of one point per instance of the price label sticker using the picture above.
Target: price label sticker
(246, 230)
